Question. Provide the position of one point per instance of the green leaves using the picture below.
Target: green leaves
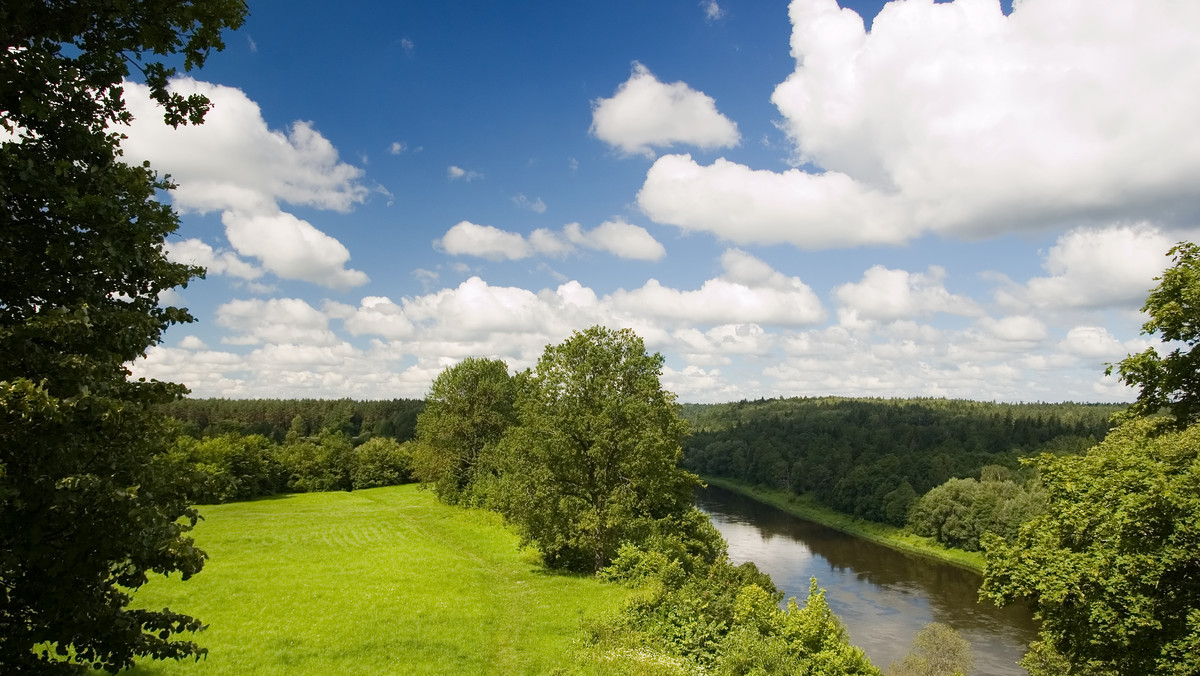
(87, 508)
(594, 459)
(1170, 382)
(1111, 567)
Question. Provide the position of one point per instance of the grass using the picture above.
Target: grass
(377, 581)
(807, 507)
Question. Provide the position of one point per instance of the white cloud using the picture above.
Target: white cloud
(396, 148)
(196, 252)
(279, 320)
(236, 164)
(192, 343)
(772, 299)
(749, 206)
(537, 206)
(292, 248)
(887, 295)
(1100, 267)
(233, 160)
(645, 113)
(455, 173)
(712, 11)
(485, 241)
(1015, 329)
(1093, 342)
(619, 238)
(956, 119)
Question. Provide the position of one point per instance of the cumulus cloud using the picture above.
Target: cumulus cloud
(956, 119)
(485, 241)
(619, 238)
(196, 252)
(734, 298)
(888, 295)
(1113, 266)
(645, 113)
(234, 163)
(279, 320)
(712, 11)
(292, 248)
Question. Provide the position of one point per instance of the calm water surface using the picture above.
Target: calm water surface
(883, 596)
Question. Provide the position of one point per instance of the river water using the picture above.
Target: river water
(883, 596)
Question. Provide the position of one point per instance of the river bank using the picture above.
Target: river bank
(805, 507)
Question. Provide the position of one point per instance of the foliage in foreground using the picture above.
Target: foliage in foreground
(1170, 382)
(86, 509)
(1111, 568)
(718, 618)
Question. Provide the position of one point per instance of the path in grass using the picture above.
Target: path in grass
(377, 581)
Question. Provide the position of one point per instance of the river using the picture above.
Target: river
(883, 596)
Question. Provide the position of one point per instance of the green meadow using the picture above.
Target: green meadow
(385, 580)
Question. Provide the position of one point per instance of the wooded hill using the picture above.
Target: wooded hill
(873, 457)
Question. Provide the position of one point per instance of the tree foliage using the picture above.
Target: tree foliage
(959, 512)
(594, 459)
(469, 408)
(1111, 568)
(1170, 382)
(937, 650)
(87, 506)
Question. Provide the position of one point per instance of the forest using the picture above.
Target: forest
(873, 458)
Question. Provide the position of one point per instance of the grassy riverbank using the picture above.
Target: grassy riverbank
(808, 508)
(377, 581)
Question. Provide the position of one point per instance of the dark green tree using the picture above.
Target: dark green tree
(594, 459)
(1170, 382)
(87, 510)
(1111, 568)
(469, 408)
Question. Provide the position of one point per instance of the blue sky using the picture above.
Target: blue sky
(960, 199)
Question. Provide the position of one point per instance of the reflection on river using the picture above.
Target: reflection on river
(883, 596)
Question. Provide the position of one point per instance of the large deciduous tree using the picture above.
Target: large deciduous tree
(467, 411)
(1170, 382)
(86, 509)
(594, 459)
(1112, 568)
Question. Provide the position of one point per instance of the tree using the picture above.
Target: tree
(1111, 568)
(937, 650)
(469, 407)
(87, 509)
(1171, 382)
(594, 459)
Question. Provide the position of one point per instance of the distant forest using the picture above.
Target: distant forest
(874, 457)
(274, 418)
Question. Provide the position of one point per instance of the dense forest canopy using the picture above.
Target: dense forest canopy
(273, 418)
(873, 457)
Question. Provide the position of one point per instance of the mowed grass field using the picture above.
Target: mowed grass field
(380, 581)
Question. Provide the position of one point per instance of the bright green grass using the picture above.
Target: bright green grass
(373, 582)
(806, 507)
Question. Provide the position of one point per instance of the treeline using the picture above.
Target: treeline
(274, 418)
(873, 458)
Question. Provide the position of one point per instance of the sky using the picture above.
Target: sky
(965, 199)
